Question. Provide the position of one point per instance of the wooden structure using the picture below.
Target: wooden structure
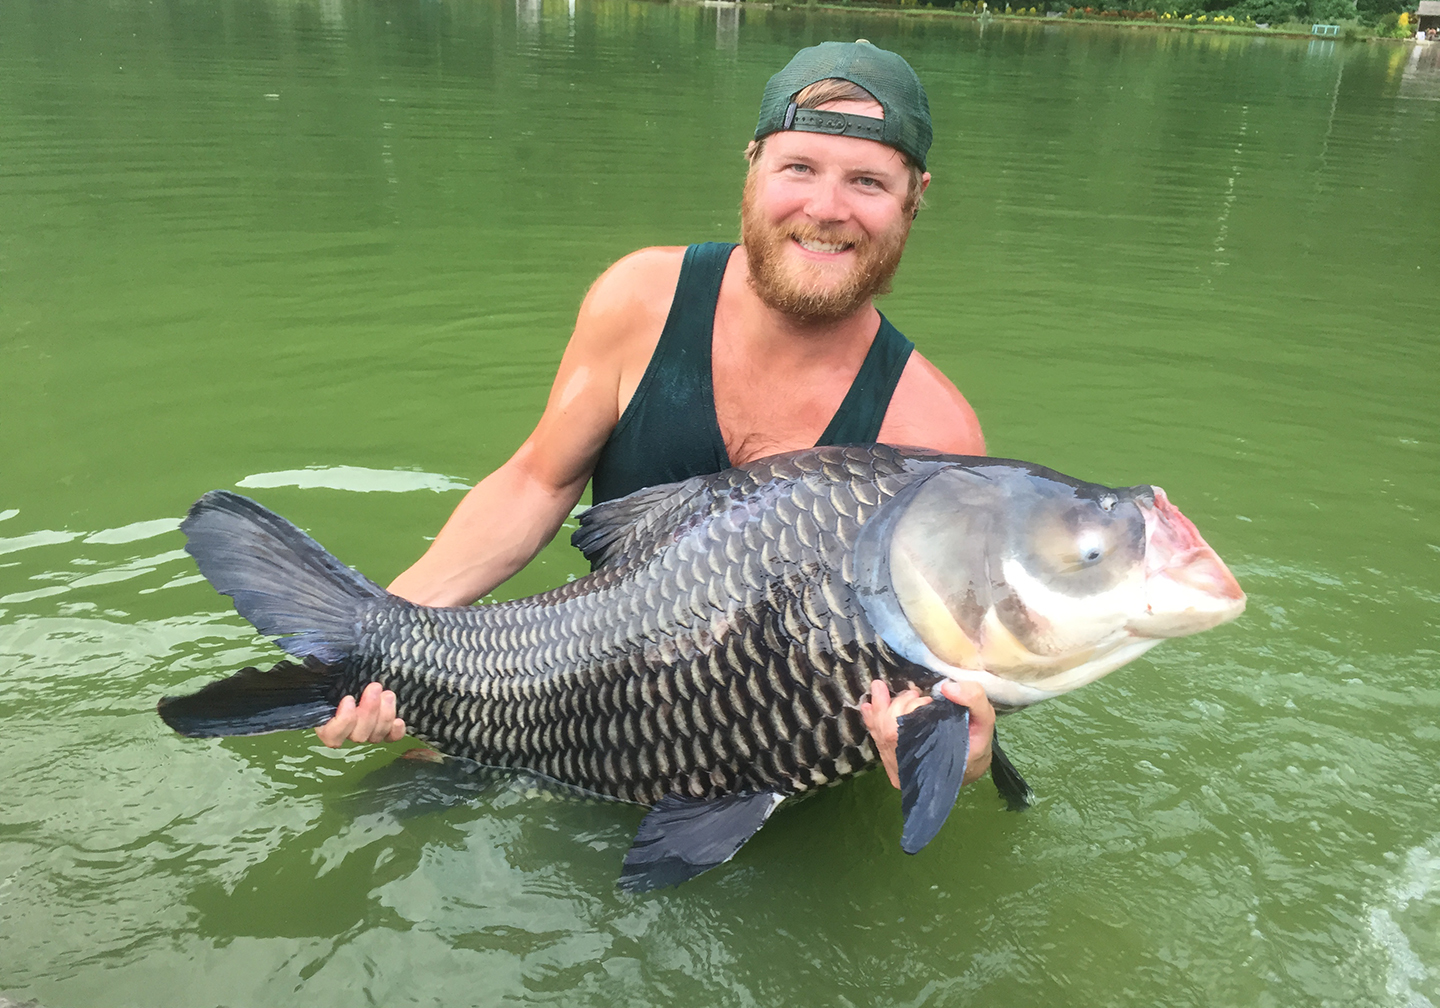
(1429, 14)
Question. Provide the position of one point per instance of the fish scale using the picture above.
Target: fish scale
(758, 665)
(711, 664)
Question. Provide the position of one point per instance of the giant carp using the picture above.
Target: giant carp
(712, 664)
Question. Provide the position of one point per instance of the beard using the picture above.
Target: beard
(806, 291)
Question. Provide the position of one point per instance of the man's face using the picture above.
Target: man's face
(824, 220)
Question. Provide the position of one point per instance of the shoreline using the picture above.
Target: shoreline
(945, 12)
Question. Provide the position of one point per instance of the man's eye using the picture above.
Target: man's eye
(868, 182)
(800, 168)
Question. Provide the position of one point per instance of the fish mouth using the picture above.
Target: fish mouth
(1188, 588)
(822, 247)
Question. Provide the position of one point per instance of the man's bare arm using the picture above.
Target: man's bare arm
(511, 514)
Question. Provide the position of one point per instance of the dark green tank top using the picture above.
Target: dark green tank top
(669, 431)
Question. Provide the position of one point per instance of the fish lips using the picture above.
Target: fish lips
(1188, 588)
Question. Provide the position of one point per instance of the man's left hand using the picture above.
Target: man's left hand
(883, 711)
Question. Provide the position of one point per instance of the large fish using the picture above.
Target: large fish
(712, 664)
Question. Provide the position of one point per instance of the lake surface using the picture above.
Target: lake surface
(328, 252)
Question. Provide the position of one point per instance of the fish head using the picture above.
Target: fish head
(1032, 583)
(1188, 587)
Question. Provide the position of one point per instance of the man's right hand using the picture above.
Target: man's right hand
(371, 720)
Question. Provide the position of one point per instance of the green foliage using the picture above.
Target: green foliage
(1330, 11)
(1373, 11)
(1291, 15)
(1387, 25)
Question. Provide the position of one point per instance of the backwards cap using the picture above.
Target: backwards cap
(885, 74)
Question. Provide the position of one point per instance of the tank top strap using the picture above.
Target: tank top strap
(669, 430)
(862, 411)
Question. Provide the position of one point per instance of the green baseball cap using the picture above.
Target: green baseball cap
(885, 74)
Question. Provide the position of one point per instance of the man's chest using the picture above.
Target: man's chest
(765, 405)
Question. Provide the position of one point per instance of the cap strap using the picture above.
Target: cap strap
(837, 123)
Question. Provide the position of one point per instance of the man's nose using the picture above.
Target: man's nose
(827, 201)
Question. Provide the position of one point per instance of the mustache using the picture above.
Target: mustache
(829, 235)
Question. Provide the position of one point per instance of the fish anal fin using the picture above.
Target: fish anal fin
(252, 702)
(933, 748)
(682, 837)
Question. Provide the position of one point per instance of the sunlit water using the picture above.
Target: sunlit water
(328, 252)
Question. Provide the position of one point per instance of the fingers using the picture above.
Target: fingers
(881, 714)
(982, 724)
(390, 727)
(371, 719)
(335, 731)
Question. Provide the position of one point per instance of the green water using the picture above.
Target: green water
(329, 252)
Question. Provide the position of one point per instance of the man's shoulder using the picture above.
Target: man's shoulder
(643, 271)
(927, 410)
(626, 307)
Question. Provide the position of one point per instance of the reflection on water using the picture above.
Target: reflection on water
(355, 478)
(527, 16)
(332, 251)
(1405, 927)
(1422, 73)
(727, 27)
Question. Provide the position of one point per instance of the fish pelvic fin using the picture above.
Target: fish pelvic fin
(281, 580)
(1012, 787)
(682, 837)
(931, 753)
(252, 702)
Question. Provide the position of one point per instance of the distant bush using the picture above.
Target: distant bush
(1331, 11)
(1371, 11)
(1269, 11)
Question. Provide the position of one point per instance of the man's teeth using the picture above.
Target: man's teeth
(819, 246)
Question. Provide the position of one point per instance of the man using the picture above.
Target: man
(688, 361)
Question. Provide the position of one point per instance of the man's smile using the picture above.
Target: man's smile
(829, 248)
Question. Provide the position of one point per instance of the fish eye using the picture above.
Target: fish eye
(1089, 549)
(1075, 546)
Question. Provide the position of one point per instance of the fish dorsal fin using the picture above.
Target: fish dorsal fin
(632, 526)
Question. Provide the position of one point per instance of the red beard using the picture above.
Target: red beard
(805, 292)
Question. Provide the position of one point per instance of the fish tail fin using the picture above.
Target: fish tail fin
(252, 702)
(282, 581)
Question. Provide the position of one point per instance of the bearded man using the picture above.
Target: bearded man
(687, 361)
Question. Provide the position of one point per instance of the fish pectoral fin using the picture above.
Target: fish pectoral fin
(682, 837)
(931, 754)
(1012, 787)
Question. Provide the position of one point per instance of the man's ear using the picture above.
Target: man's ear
(924, 184)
